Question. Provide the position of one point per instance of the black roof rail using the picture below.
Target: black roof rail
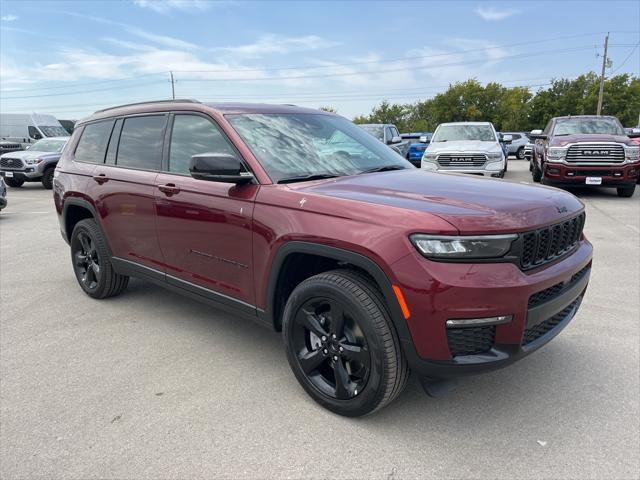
(183, 100)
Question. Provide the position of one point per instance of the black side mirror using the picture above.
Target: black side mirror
(219, 167)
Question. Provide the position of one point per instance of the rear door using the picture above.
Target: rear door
(204, 227)
(123, 188)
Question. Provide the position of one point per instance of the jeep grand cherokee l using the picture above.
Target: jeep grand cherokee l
(368, 266)
(586, 150)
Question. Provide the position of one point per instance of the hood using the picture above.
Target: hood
(561, 141)
(463, 146)
(27, 154)
(473, 205)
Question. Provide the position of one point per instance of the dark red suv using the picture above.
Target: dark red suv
(301, 220)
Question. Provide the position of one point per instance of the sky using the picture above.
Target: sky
(72, 58)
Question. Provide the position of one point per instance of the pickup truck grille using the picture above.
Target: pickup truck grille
(462, 160)
(595, 153)
(11, 163)
(549, 243)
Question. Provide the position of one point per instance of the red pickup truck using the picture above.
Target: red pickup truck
(300, 220)
(586, 150)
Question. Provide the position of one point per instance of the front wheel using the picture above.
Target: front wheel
(520, 153)
(13, 182)
(341, 344)
(47, 178)
(92, 264)
(536, 173)
(626, 192)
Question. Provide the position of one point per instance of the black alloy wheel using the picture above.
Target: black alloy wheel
(341, 343)
(86, 262)
(331, 348)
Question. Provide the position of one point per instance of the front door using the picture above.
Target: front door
(204, 228)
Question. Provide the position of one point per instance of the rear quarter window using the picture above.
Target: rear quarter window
(93, 141)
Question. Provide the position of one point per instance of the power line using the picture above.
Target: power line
(626, 59)
(97, 82)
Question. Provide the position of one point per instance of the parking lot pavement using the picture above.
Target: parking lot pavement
(153, 385)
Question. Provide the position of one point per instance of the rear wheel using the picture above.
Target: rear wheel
(13, 182)
(47, 178)
(341, 344)
(91, 262)
(626, 192)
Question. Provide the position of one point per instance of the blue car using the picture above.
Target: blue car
(416, 147)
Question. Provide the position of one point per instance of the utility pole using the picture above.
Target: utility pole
(173, 85)
(604, 65)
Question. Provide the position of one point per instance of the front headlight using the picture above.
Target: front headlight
(492, 157)
(429, 157)
(460, 247)
(632, 153)
(555, 154)
(31, 161)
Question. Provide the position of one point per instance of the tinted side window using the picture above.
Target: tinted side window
(141, 142)
(93, 142)
(191, 135)
(516, 136)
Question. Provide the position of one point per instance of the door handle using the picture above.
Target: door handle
(101, 178)
(169, 189)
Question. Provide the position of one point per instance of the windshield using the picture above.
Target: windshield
(48, 145)
(301, 144)
(53, 131)
(573, 126)
(452, 133)
(375, 130)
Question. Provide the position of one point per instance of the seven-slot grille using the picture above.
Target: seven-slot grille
(462, 159)
(595, 153)
(547, 244)
(12, 163)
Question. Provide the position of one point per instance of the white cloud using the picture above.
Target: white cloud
(9, 18)
(269, 44)
(491, 14)
(165, 6)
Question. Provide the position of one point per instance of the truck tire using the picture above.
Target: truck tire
(536, 173)
(341, 343)
(47, 178)
(92, 264)
(14, 182)
(626, 192)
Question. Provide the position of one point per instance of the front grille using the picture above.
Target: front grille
(552, 292)
(594, 153)
(549, 243)
(11, 163)
(10, 147)
(471, 340)
(462, 160)
(537, 331)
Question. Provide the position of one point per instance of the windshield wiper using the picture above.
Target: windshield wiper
(385, 168)
(306, 178)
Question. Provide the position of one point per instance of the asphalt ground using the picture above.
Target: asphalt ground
(153, 385)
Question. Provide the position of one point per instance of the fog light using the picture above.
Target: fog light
(571, 174)
(553, 171)
(478, 322)
(633, 172)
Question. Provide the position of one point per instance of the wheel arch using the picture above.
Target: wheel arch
(76, 209)
(328, 258)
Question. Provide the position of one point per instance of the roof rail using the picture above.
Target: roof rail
(184, 100)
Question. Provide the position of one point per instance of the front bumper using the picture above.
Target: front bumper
(436, 292)
(28, 173)
(612, 175)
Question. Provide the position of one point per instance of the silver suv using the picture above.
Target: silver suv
(37, 163)
(518, 143)
(466, 147)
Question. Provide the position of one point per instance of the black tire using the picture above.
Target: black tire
(14, 182)
(91, 262)
(530, 166)
(536, 173)
(47, 178)
(520, 153)
(626, 192)
(376, 375)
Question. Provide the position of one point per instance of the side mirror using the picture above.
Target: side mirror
(633, 133)
(537, 135)
(396, 139)
(424, 139)
(218, 167)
